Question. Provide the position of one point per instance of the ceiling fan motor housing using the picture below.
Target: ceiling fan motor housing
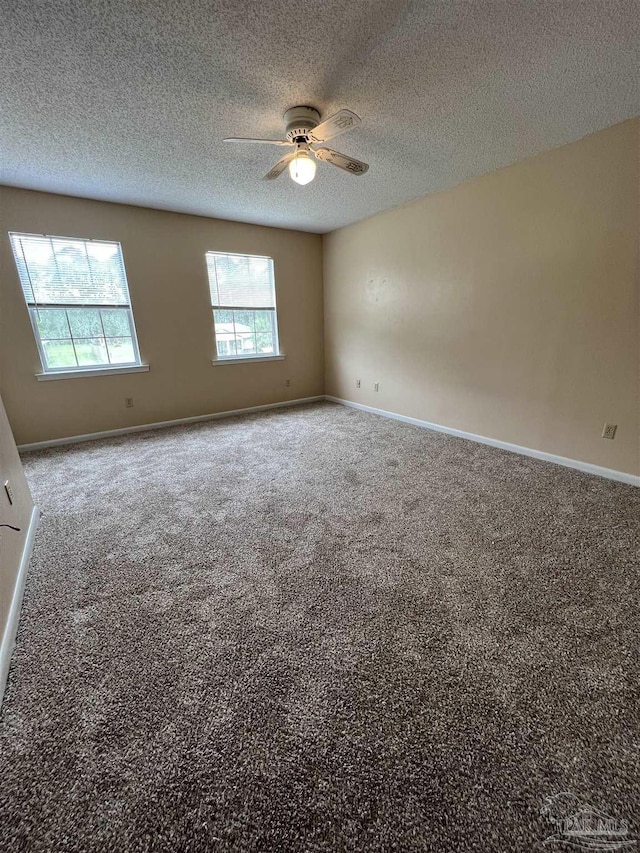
(299, 121)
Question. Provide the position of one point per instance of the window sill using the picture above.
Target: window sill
(216, 362)
(97, 371)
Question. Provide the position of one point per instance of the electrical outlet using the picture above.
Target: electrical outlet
(376, 387)
(609, 430)
(128, 401)
(287, 383)
(357, 383)
(9, 491)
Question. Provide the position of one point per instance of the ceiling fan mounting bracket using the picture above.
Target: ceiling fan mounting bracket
(299, 121)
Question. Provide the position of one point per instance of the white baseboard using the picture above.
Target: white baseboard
(108, 433)
(586, 467)
(13, 617)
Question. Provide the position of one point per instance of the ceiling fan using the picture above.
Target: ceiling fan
(304, 130)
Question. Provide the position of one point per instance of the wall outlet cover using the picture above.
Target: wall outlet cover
(609, 430)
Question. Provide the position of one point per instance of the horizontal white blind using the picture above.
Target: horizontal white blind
(65, 271)
(241, 281)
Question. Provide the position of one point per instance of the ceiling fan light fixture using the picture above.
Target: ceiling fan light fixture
(302, 168)
(303, 134)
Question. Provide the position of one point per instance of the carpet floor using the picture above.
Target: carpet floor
(315, 629)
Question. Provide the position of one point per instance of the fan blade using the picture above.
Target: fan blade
(280, 166)
(342, 161)
(333, 126)
(264, 141)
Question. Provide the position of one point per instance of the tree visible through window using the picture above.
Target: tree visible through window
(78, 299)
(243, 299)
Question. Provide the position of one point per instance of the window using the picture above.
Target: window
(243, 299)
(78, 299)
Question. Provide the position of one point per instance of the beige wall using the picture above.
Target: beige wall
(505, 307)
(164, 256)
(18, 514)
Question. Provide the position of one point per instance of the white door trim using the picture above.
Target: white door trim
(13, 617)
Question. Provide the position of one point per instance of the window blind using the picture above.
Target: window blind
(63, 271)
(241, 281)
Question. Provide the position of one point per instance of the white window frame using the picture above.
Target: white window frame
(101, 369)
(248, 357)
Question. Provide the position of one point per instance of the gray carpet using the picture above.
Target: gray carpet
(315, 629)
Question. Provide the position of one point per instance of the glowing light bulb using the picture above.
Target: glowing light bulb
(302, 168)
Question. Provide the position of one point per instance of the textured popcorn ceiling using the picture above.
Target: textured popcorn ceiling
(128, 100)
